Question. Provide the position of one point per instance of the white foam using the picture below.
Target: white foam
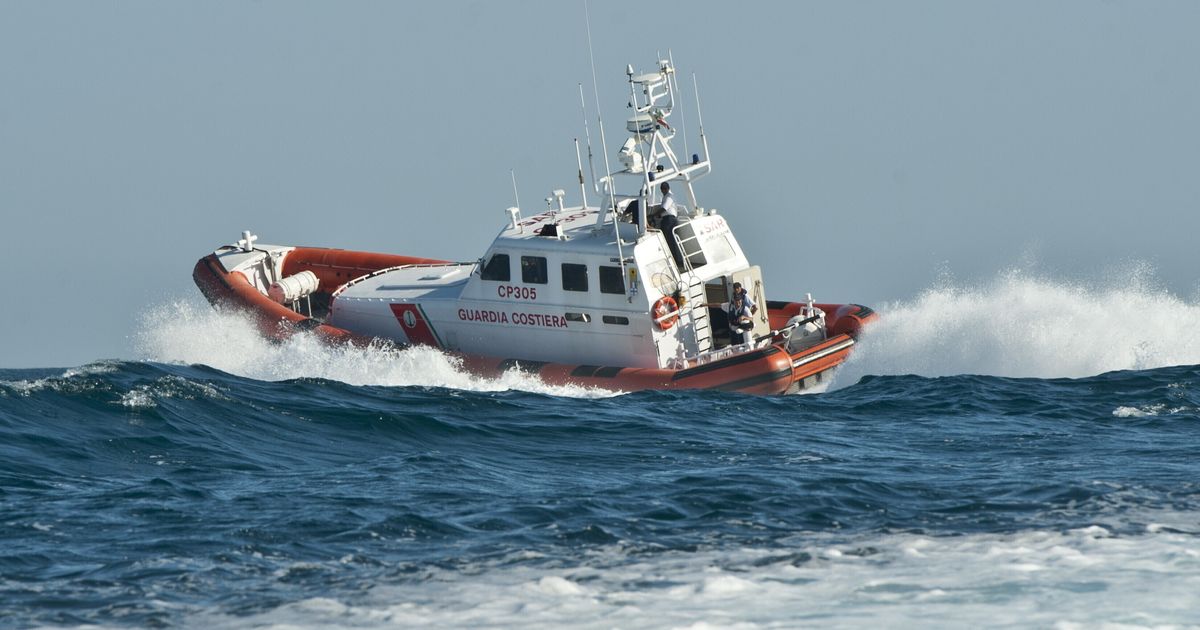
(555, 585)
(1025, 325)
(190, 333)
(68, 381)
(1081, 578)
(138, 398)
(1151, 410)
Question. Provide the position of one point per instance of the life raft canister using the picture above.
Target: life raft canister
(665, 312)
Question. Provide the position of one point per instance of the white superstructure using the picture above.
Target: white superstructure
(578, 284)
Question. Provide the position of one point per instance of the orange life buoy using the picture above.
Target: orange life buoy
(665, 312)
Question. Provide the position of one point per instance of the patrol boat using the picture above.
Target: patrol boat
(590, 295)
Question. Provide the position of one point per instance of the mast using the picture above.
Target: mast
(647, 154)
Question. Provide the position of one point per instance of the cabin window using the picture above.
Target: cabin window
(692, 249)
(720, 249)
(660, 275)
(611, 280)
(533, 270)
(574, 277)
(579, 317)
(616, 319)
(497, 268)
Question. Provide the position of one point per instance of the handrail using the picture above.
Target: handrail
(716, 354)
(687, 259)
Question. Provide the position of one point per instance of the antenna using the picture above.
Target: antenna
(612, 200)
(579, 162)
(700, 119)
(612, 195)
(675, 90)
(516, 197)
(588, 134)
(514, 213)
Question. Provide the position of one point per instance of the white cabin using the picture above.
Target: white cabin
(573, 297)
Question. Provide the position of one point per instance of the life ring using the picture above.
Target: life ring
(665, 312)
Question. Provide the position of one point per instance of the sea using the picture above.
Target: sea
(1022, 453)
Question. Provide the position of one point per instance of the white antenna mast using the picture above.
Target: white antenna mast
(612, 195)
(682, 118)
(612, 200)
(579, 162)
(588, 134)
(516, 197)
(514, 213)
(700, 119)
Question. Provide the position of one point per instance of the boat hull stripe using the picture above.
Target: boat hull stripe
(585, 370)
(824, 353)
(751, 381)
(725, 363)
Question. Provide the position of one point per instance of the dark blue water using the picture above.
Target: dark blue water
(144, 494)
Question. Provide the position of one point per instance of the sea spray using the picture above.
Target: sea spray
(192, 333)
(1026, 325)
(1020, 324)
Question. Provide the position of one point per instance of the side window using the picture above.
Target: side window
(497, 268)
(533, 270)
(574, 277)
(611, 280)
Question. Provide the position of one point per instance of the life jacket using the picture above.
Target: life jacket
(735, 313)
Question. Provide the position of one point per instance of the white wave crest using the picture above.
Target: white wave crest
(1024, 325)
(186, 332)
(71, 380)
(1081, 578)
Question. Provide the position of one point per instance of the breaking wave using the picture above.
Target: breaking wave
(1026, 325)
(192, 333)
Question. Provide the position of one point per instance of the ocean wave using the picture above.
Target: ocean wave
(1022, 324)
(186, 332)
(1013, 580)
(150, 493)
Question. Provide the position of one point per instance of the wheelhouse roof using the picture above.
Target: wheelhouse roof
(578, 230)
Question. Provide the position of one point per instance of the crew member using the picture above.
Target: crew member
(670, 218)
(738, 290)
(741, 320)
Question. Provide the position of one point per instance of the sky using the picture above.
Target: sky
(862, 151)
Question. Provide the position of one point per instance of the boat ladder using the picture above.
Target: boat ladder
(689, 245)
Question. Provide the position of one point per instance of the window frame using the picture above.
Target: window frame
(565, 275)
(483, 273)
(545, 269)
(606, 284)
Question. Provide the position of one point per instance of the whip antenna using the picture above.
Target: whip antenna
(612, 199)
(612, 195)
(579, 163)
(588, 135)
(682, 117)
(516, 197)
(700, 119)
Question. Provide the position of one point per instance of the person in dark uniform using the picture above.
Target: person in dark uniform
(633, 210)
